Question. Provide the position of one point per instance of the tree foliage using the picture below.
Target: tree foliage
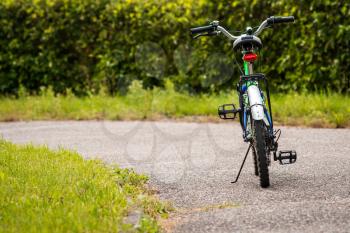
(86, 45)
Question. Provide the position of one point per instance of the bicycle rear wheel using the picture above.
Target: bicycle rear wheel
(255, 159)
(259, 144)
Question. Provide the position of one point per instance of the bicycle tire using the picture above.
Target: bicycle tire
(260, 148)
(255, 160)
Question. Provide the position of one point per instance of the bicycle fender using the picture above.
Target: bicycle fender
(256, 103)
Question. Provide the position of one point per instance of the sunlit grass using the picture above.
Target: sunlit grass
(47, 191)
(315, 110)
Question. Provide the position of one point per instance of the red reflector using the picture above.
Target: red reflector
(250, 57)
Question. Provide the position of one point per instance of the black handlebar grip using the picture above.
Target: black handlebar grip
(208, 29)
(277, 19)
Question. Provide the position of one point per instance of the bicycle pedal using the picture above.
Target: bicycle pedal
(286, 157)
(228, 111)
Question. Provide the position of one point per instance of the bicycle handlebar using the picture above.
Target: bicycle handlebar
(208, 29)
(215, 28)
(273, 20)
(276, 19)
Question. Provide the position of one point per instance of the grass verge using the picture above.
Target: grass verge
(315, 110)
(58, 191)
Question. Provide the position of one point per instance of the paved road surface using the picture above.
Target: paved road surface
(192, 165)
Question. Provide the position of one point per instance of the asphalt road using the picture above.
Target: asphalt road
(192, 166)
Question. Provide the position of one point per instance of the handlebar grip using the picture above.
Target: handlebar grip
(208, 29)
(277, 19)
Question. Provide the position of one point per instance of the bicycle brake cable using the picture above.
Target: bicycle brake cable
(239, 67)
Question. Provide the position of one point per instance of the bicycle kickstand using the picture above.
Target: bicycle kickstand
(240, 170)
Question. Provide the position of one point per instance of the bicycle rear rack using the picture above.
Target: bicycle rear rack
(258, 77)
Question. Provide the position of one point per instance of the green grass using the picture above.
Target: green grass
(315, 110)
(57, 191)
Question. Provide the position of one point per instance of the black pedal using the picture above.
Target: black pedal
(286, 157)
(228, 111)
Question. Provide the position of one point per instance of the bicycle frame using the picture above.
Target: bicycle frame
(254, 94)
(253, 80)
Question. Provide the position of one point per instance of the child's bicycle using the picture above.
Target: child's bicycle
(255, 117)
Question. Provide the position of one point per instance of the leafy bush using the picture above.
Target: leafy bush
(90, 44)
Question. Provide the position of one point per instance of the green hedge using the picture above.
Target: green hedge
(86, 45)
